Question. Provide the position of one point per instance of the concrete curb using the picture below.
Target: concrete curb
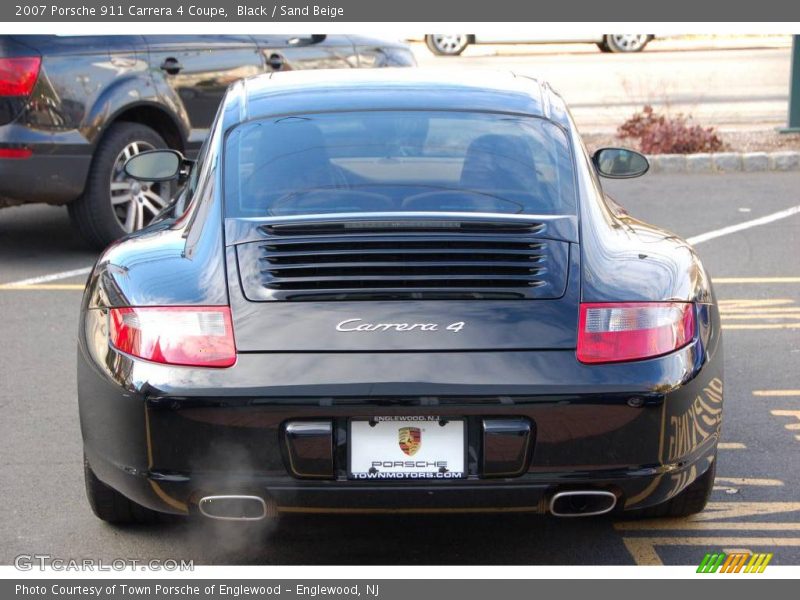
(725, 162)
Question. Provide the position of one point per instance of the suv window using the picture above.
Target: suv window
(388, 161)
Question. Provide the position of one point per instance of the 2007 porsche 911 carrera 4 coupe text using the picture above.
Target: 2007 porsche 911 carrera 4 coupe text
(397, 291)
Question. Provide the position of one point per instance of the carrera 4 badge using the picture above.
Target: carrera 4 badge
(359, 325)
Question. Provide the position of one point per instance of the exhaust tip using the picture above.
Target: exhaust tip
(582, 503)
(233, 507)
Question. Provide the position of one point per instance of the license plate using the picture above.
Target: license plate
(407, 448)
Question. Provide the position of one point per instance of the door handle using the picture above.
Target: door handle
(275, 62)
(171, 66)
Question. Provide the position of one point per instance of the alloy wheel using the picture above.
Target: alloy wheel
(449, 43)
(629, 42)
(135, 202)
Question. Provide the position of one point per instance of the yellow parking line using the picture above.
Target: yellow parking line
(772, 393)
(731, 446)
(689, 525)
(738, 551)
(643, 549)
(789, 413)
(755, 279)
(41, 286)
(747, 310)
(757, 314)
(750, 303)
(762, 326)
(748, 481)
(731, 510)
(769, 313)
(786, 413)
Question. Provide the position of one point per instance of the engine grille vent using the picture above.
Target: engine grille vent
(377, 260)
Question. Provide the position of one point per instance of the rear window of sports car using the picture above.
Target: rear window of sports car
(389, 161)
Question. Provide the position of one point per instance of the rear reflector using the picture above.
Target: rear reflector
(615, 332)
(175, 335)
(15, 152)
(18, 75)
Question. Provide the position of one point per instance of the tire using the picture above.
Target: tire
(603, 46)
(690, 501)
(111, 506)
(443, 44)
(100, 214)
(626, 42)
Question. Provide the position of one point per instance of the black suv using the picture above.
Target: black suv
(74, 109)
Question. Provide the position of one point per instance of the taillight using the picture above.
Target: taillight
(18, 75)
(614, 332)
(175, 335)
(15, 152)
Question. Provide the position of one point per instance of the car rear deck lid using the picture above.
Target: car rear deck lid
(556, 227)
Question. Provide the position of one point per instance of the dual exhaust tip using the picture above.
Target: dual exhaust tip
(582, 503)
(233, 507)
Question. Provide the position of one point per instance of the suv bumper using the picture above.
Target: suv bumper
(55, 173)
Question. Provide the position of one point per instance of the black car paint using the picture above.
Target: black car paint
(164, 435)
(87, 83)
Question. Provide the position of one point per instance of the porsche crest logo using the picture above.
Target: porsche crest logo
(410, 439)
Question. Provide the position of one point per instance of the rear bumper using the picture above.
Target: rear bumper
(55, 173)
(166, 436)
(179, 493)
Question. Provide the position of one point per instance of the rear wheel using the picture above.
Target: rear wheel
(625, 42)
(690, 501)
(444, 44)
(114, 204)
(111, 506)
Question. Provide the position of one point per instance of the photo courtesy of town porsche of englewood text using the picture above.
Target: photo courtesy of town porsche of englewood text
(504, 303)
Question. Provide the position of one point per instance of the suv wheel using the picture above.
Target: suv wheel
(444, 44)
(111, 506)
(114, 204)
(625, 42)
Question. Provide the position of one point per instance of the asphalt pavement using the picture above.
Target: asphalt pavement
(755, 505)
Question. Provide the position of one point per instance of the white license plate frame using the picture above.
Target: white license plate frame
(377, 440)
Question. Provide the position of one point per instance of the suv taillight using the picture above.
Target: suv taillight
(18, 75)
(616, 332)
(175, 335)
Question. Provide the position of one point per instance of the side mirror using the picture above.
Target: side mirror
(307, 40)
(620, 163)
(155, 165)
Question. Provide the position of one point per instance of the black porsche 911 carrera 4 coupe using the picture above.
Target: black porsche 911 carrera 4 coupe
(397, 291)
